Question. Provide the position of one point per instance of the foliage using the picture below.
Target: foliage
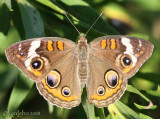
(23, 19)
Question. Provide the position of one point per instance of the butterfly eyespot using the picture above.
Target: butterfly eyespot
(66, 92)
(138, 49)
(126, 61)
(21, 53)
(53, 79)
(100, 90)
(111, 78)
(37, 64)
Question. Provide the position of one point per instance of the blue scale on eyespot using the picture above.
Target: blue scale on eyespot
(51, 80)
(100, 91)
(21, 53)
(36, 64)
(66, 92)
(113, 80)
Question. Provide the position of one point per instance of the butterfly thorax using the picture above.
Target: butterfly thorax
(83, 59)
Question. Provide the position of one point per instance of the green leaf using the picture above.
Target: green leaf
(4, 19)
(127, 112)
(79, 8)
(144, 116)
(114, 112)
(134, 90)
(8, 3)
(8, 40)
(3, 39)
(31, 18)
(140, 35)
(50, 107)
(61, 113)
(101, 113)
(151, 106)
(150, 5)
(19, 92)
(81, 25)
(154, 92)
(50, 4)
(149, 77)
(17, 20)
(8, 79)
(88, 108)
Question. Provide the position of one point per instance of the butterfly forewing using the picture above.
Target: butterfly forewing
(36, 57)
(122, 52)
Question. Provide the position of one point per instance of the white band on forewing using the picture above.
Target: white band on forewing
(19, 47)
(32, 53)
(140, 43)
(129, 49)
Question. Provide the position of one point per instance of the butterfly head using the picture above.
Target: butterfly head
(82, 38)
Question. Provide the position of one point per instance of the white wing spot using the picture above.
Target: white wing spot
(140, 43)
(34, 46)
(32, 53)
(129, 49)
(19, 47)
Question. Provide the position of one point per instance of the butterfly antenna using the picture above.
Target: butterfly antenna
(94, 23)
(72, 23)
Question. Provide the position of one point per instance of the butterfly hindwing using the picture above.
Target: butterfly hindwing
(62, 85)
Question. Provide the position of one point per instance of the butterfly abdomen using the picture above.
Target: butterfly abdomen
(83, 61)
(83, 72)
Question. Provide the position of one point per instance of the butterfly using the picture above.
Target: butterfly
(59, 67)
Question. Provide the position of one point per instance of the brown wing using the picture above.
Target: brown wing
(62, 85)
(105, 84)
(37, 57)
(112, 60)
(122, 52)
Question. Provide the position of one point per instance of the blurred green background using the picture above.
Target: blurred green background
(23, 19)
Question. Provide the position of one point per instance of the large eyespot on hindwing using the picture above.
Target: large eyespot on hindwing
(111, 78)
(53, 79)
(66, 91)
